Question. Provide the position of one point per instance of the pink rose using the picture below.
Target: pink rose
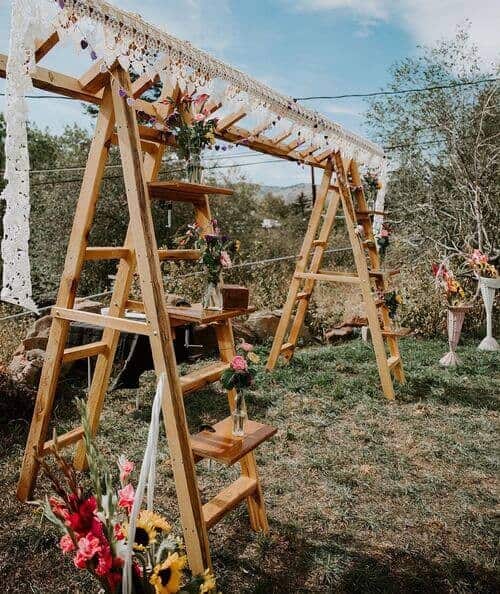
(225, 260)
(66, 544)
(126, 497)
(239, 364)
(126, 467)
(88, 547)
(384, 233)
(246, 346)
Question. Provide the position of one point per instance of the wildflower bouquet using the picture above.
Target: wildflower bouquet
(392, 300)
(94, 527)
(242, 370)
(191, 123)
(480, 265)
(454, 292)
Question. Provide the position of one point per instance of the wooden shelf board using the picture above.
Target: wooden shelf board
(221, 445)
(215, 509)
(202, 376)
(196, 314)
(183, 191)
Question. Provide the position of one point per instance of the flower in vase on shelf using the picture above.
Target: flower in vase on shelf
(193, 127)
(392, 300)
(479, 263)
(240, 375)
(94, 527)
(217, 254)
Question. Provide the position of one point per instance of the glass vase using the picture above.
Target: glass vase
(194, 169)
(212, 298)
(239, 415)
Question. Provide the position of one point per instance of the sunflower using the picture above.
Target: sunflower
(208, 584)
(145, 533)
(159, 523)
(166, 577)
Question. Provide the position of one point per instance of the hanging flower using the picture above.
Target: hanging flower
(166, 577)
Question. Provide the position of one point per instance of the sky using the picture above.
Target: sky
(299, 47)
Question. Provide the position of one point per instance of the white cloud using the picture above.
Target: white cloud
(426, 20)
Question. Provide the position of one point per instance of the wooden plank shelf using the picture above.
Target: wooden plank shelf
(103, 321)
(84, 351)
(202, 377)
(184, 192)
(63, 440)
(196, 314)
(222, 446)
(215, 509)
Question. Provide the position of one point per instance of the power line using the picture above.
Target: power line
(403, 91)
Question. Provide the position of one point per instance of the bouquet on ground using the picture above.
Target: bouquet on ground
(452, 289)
(94, 528)
(480, 265)
(191, 123)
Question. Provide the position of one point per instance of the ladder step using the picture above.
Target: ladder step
(201, 377)
(63, 440)
(93, 319)
(222, 446)
(396, 333)
(183, 191)
(383, 273)
(319, 243)
(393, 361)
(369, 243)
(83, 351)
(179, 254)
(332, 276)
(215, 509)
(107, 253)
(288, 346)
(303, 295)
(368, 213)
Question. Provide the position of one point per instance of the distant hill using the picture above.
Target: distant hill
(288, 193)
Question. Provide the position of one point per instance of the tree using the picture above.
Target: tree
(444, 186)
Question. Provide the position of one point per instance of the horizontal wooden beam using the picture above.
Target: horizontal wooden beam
(215, 509)
(94, 78)
(107, 253)
(93, 319)
(84, 351)
(44, 46)
(227, 121)
(331, 276)
(63, 440)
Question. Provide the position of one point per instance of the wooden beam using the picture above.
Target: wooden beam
(44, 46)
(227, 121)
(94, 79)
(93, 319)
(309, 151)
(83, 351)
(280, 137)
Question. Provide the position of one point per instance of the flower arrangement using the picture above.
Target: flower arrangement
(392, 300)
(94, 527)
(191, 123)
(371, 182)
(480, 265)
(383, 239)
(242, 370)
(454, 292)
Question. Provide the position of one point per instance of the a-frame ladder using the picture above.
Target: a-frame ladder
(140, 253)
(330, 197)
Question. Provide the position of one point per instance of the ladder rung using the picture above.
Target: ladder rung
(288, 346)
(63, 440)
(368, 213)
(332, 276)
(183, 191)
(83, 351)
(85, 317)
(107, 253)
(369, 243)
(179, 254)
(303, 295)
(215, 509)
(382, 273)
(393, 361)
(201, 377)
(319, 243)
(396, 333)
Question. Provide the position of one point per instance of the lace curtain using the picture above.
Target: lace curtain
(111, 34)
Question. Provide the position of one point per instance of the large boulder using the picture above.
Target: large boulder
(264, 323)
(26, 367)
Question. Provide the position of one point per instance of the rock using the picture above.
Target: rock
(40, 328)
(242, 330)
(263, 324)
(27, 367)
(84, 304)
(36, 342)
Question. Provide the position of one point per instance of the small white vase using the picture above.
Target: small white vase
(488, 287)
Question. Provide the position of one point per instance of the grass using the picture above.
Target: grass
(362, 495)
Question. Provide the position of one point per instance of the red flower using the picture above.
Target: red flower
(66, 544)
(239, 364)
(105, 559)
(88, 547)
(126, 497)
(81, 520)
(58, 508)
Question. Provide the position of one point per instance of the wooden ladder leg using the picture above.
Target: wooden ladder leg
(380, 282)
(255, 502)
(148, 266)
(111, 337)
(302, 261)
(365, 282)
(82, 223)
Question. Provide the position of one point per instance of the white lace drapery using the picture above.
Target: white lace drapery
(113, 34)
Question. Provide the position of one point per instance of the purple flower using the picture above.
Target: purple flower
(122, 92)
(84, 44)
(93, 55)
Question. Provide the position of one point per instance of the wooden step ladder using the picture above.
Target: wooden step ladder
(140, 253)
(344, 193)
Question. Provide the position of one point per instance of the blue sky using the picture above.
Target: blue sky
(299, 47)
